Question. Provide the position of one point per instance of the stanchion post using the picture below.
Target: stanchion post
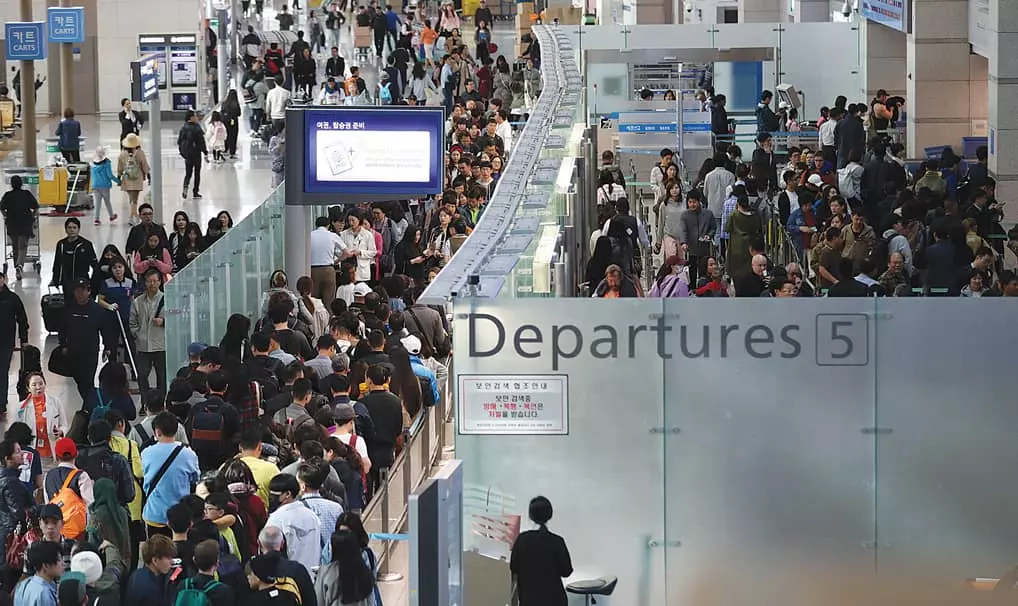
(384, 575)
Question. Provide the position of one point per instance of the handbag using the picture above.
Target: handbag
(60, 362)
(17, 545)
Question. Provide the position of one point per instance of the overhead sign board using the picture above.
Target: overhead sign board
(373, 153)
(513, 404)
(66, 24)
(145, 77)
(890, 13)
(25, 41)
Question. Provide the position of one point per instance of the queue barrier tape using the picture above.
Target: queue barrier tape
(385, 536)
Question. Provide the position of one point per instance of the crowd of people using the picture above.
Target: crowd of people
(847, 214)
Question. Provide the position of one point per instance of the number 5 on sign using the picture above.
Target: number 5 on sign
(842, 340)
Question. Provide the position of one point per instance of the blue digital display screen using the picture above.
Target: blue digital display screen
(374, 151)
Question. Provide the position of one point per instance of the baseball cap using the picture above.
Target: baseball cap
(196, 348)
(343, 413)
(815, 180)
(412, 344)
(361, 289)
(83, 283)
(50, 511)
(65, 447)
(89, 564)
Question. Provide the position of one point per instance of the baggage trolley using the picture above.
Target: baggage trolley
(363, 42)
(32, 252)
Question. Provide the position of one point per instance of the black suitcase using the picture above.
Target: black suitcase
(53, 312)
(31, 361)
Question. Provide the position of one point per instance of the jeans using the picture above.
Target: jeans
(332, 38)
(84, 372)
(192, 165)
(20, 244)
(6, 355)
(148, 361)
(257, 119)
(278, 125)
(100, 195)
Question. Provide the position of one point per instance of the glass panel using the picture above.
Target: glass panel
(800, 43)
(942, 493)
(768, 469)
(611, 429)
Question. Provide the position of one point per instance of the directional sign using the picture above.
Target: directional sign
(26, 41)
(66, 24)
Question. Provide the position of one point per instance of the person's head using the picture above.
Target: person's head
(72, 227)
(262, 569)
(206, 556)
(858, 221)
(540, 511)
(157, 553)
(283, 489)
(165, 425)
(377, 376)
(766, 97)
(36, 383)
(613, 277)
(783, 287)
(694, 200)
(1009, 283)
(895, 262)
(666, 156)
(984, 259)
(46, 558)
(759, 264)
(765, 141)
(976, 280)
(312, 474)
(51, 521)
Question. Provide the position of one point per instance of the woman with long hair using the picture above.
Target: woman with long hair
(409, 257)
(107, 518)
(349, 468)
(438, 239)
(110, 254)
(352, 522)
(225, 220)
(502, 81)
(599, 261)
(235, 341)
(178, 235)
(404, 382)
(153, 254)
(669, 216)
(347, 579)
(231, 112)
(240, 483)
(311, 309)
(190, 247)
(672, 280)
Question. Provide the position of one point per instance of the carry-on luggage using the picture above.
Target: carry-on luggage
(31, 361)
(53, 316)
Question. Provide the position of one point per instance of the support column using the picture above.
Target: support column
(763, 11)
(1003, 102)
(937, 58)
(884, 62)
(66, 75)
(28, 98)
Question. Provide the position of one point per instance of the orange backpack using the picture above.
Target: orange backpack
(72, 506)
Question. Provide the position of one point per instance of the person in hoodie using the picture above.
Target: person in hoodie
(331, 93)
(102, 180)
(74, 259)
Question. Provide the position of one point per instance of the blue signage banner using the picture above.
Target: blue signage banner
(890, 13)
(353, 151)
(25, 41)
(145, 77)
(66, 24)
(639, 127)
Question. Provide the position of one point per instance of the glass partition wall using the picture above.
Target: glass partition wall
(227, 278)
(758, 452)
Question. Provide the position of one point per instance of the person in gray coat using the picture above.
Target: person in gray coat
(696, 232)
(148, 326)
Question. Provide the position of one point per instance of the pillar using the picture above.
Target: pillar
(763, 11)
(937, 64)
(66, 72)
(28, 98)
(1003, 102)
(812, 11)
(884, 63)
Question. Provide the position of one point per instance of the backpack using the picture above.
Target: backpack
(384, 94)
(189, 145)
(427, 395)
(101, 408)
(73, 508)
(207, 425)
(132, 171)
(288, 584)
(146, 439)
(190, 595)
(97, 462)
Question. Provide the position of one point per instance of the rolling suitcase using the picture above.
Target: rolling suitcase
(31, 361)
(53, 312)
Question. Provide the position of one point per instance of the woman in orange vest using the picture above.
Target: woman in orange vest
(44, 415)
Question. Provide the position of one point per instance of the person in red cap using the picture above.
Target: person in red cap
(66, 452)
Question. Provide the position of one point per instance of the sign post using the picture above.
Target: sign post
(65, 25)
(26, 42)
(145, 88)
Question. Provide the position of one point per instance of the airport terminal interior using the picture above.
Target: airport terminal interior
(316, 302)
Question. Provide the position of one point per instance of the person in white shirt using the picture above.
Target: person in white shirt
(275, 105)
(504, 129)
(827, 133)
(360, 243)
(331, 94)
(327, 250)
(300, 526)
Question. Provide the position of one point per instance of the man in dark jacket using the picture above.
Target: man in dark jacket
(483, 13)
(213, 455)
(335, 67)
(19, 208)
(270, 540)
(85, 320)
(191, 145)
(139, 233)
(99, 461)
(74, 260)
(719, 119)
(850, 133)
(944, 273)
(15, 499)
(13, 321)
(766, 119)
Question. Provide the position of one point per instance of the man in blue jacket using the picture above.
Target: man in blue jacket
(413, 347)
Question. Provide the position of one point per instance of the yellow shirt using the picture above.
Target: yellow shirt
(129, 450)
(263, 472)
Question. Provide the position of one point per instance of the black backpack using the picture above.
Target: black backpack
(97, 462)
(207, 423)
(146, 438)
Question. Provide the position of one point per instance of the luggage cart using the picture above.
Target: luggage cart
(363, 42)
(30, 182)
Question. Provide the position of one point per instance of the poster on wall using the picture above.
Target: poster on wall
(513, 404)
(890, 13)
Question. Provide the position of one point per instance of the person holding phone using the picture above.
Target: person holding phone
(148, 327)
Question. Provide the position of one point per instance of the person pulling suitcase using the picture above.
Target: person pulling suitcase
(13, 324)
